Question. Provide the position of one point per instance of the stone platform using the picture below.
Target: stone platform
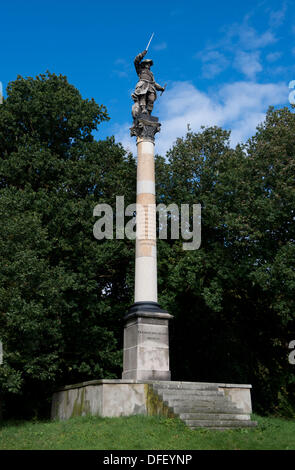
(198, 404)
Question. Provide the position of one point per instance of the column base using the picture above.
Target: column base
(145, 309)
(146, 343)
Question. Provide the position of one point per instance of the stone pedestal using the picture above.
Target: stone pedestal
(146, 346)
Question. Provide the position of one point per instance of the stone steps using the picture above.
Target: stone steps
(197, 400)
(190, 393)
(202, 423)
(212, 409)
(213, 416)
(202, 405)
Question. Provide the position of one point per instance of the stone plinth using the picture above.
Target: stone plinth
(146, 346)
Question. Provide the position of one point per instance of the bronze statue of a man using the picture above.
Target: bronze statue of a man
(144, 94)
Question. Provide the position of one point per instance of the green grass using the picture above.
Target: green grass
(142, 432)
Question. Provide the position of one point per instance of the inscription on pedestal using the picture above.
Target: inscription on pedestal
(153, 337)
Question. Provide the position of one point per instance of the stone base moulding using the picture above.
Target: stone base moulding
(193, 402)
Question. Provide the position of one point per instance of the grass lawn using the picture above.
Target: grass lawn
(142, 433)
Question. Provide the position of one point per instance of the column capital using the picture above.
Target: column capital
(145, 127)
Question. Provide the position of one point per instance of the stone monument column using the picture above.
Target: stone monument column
(146, 339)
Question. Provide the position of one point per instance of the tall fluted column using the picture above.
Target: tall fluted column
(146, 339)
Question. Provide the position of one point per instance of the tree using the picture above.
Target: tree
(62, 291)
(233, 299)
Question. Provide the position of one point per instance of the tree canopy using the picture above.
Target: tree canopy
(233, 299)
(59, 321)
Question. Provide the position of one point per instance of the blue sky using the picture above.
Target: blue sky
(224, 62)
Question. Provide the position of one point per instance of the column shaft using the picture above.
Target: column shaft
(146, 250)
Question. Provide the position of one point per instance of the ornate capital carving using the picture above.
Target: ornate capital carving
(145, 127)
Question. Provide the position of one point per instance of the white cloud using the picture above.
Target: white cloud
(160, 46)
(239, 46)
(122, 69)
(251, 40)
(246, 37)
(121, 61)
(214, 62)
(239, 106)
(248, 63)
(121, 73)
(273, 56)
(122, 135)
(276, 18)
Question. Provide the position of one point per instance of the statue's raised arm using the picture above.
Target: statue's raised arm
(137, 61)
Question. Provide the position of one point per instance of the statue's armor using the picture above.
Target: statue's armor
(145, 90)
(146, 74)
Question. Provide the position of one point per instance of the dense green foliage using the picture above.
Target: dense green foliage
(143, 432)
(233, 299)
(59, 321)
(63, 294)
